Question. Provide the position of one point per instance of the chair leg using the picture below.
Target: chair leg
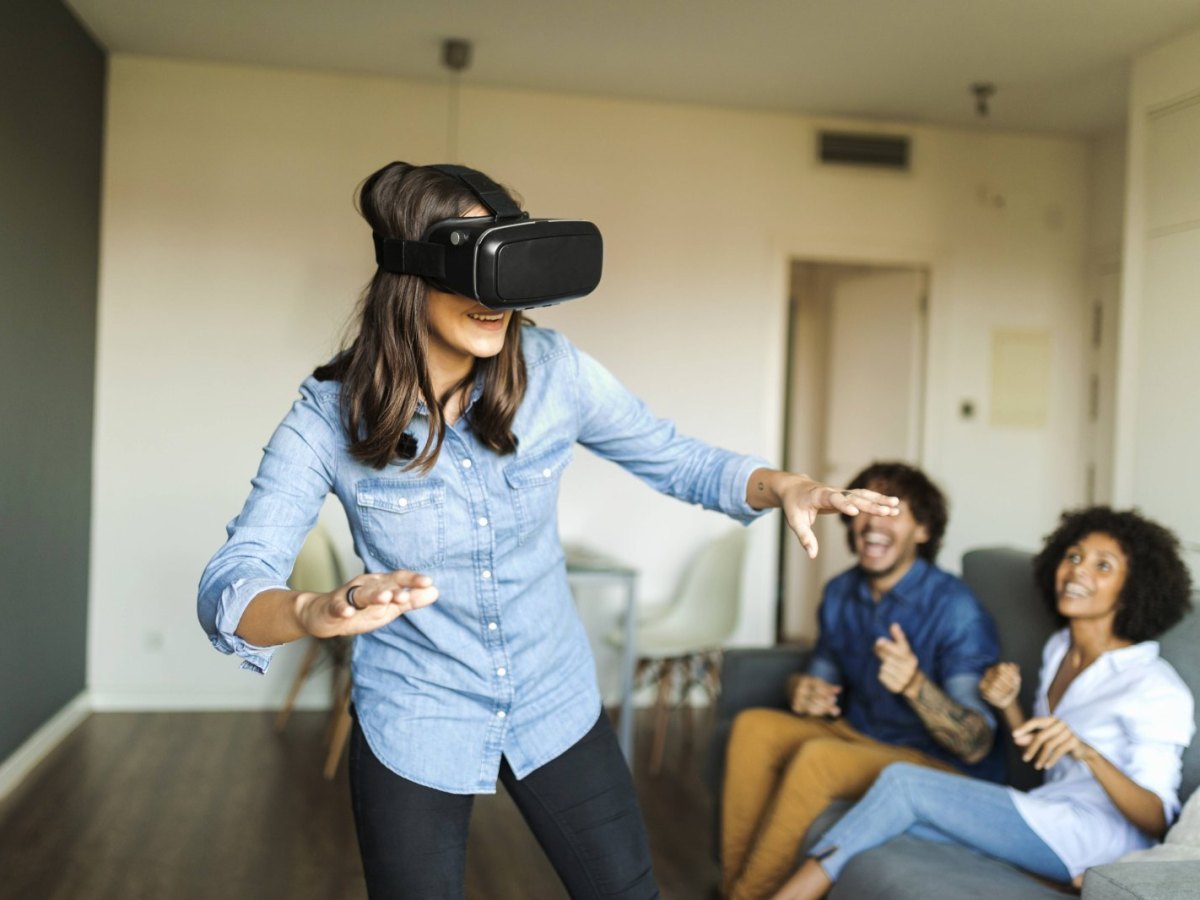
(339, 687)
(712, 682)
(639, 672)
(702, 671)
(661, 711)
(310, 657)
(712, 671)
(339, 734)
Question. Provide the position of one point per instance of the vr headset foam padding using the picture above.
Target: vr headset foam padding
(506, 260)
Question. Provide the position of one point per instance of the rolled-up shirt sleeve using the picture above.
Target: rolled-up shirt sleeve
(963, 689)
(820, 666)
(967, 648)
(264, 539)
(615, 424)
(1159, 725)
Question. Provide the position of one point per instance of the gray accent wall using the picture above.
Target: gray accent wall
(52, 80)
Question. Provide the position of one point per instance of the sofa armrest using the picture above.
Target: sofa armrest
(750, 676)
(757, 676)
(1142, 880)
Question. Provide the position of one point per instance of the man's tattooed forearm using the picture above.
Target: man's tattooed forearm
(960, 730)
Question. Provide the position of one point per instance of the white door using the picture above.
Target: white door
(1166, 432)
(865, 402)
(873, 387)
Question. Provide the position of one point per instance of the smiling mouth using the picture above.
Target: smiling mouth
(1071, 589)
(875, 544)
(486, 317)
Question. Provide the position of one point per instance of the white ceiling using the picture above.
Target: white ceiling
(1059, 65)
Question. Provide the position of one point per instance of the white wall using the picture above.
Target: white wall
(1106, 227)
(231, 255)
(1159, 371)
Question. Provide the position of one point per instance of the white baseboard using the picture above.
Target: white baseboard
(25, 758)
(144, 701)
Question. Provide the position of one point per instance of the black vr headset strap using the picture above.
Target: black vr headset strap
(490, 194)
(429, 260)
(410, 257)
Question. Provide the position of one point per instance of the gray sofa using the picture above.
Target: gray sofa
(910, 868)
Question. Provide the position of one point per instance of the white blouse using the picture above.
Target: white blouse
(1134, 709)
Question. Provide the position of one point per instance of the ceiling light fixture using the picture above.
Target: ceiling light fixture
(983, 92)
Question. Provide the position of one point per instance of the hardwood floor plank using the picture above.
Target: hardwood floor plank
(193, 806)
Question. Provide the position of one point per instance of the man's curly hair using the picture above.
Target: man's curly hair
(1157, 589)
(910, 484)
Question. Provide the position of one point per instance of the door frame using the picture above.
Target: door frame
(797, 598)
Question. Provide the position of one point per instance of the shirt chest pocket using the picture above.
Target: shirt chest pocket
(533, 485)
(403, 521)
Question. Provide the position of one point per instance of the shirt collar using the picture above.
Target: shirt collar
(1133, 655)
(906, 589)
(476, 391)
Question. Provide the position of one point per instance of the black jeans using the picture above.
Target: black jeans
(581, 808)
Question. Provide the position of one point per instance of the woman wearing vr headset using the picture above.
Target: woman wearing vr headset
(444, 428)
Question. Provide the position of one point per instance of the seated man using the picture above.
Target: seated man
(894, 678)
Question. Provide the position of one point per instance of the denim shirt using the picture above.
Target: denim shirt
(499, 665)
(952, 635)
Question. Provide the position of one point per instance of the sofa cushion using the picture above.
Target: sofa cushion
(1137, 881)
(1182, 840)
(1178, 647)
(749, 678)
(1002, 579)
(907, 868)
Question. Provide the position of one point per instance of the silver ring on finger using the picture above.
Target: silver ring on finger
(350, 597)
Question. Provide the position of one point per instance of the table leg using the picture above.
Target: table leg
(628, 661)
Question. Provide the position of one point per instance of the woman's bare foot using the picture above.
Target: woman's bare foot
(809, 883)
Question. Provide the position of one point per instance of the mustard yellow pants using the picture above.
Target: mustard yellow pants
(781, 771)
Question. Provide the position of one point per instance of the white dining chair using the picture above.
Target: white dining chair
(679, 645)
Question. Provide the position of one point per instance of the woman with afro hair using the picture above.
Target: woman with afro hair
(1110, 722)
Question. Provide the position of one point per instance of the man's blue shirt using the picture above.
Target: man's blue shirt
(952, 635)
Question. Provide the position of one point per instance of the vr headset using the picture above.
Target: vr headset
(506, 260)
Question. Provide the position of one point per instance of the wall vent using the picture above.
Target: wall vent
(880, 151)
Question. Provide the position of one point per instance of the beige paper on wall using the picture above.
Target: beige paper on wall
(1020, 377)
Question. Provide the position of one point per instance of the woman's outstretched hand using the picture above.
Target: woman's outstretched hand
(1046, 740)
(803, 499)
(365, 603)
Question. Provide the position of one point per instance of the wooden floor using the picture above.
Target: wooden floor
(173, 806)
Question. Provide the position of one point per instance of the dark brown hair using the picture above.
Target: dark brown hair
(924, 498)
(385, 371)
